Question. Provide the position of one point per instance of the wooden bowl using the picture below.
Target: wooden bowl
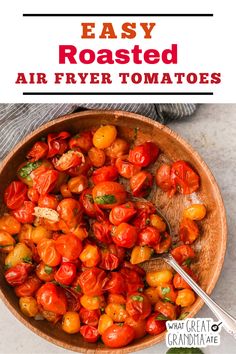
(211, 244)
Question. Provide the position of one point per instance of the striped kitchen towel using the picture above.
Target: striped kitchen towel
(18, 120)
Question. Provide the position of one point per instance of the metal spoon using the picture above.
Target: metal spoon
(228, 322)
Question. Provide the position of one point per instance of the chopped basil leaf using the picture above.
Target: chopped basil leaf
(26, 170)
(166, 299)
(48, 269)
(148, 221)
(183, 315)
(120, 324)
(27, 260)
(106, 199)
(7, 266)
(187, 262)
(165, 291)
(184, 351)
(78, 289)
(137, 298)
(4, 246)
(161, 317)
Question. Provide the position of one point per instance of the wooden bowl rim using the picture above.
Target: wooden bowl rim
(199, 303)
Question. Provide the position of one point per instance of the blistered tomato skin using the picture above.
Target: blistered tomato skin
(77, 229)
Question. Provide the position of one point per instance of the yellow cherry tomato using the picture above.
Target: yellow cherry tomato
(140, 254)
(39, 233)
(18, 254)
(116, 312)
(7, 242)
(9, 224)
(104, 322)
(71, 322)
(97, 157)
(185, 297)
(195, 212)
(152, 294)
(90, 256)
(157, 222)
(25, 233)
(104, 136)
(92, 302)
(156, 278)
(28, 306)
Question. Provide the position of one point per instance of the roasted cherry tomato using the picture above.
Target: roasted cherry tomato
(45, 272)
(124, 235)
(118, 335)
(7, 242)
(109, 194)
(183, 253)
(140, 254)
(138, 306)
(139, 327)
(166, 309)
(195, 212)
(185, 298)
(87, 202)
(116, 283)
(52, 298)
(109, 261)
(82, 140)
(69, 246)
(68, 160)
(15, 195)
(19, 254)
(149, 236)
(164, 244)
(33, 195)
(38, 151)
(141, 183)
(133, 280)
(29, 287)
(163, 179)
(104, 136)
(105, 173)
(28, 306)
(71, 322)
(9, 224)
(25, 213)
(48, 252)
(97, 157)
(46, 181)
(104, 322)
(180, 283)
(125, 168)
(89, 317)
(143, 155)
(188, 231)
(122, 213)
(92, 281)
(57, 144)
(90, 256)
(66, 273)
(18, 274)
(89, 333)
(184, 178)
(118, 148)
(155, 325)
(48, 201)
(116, 312)
(166, 292)
(78, 184)
(102, 231)
(70, 211)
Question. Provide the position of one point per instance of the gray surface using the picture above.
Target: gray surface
(211, 131)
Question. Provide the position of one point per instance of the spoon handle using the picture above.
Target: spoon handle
(228, 322)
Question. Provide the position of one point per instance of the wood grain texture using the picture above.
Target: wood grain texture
(210, 246)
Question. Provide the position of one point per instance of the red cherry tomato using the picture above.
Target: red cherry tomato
(69, 160)
(15, 194)
(29, 287)
(69, 246)
(89, 317)
(164, 244)
(83, 141)
(83, 169)
(72, 299)
(24, 214)
(188, 231)
(141, 220)
(52, 298)
(48, 201)
(185, 180)
(138, 306)
(118, 335)
(168, 310)
(138, 326)
(38, 151)
(70, 211)
(105, 173)
(124, 235)
(18, 274)
(89, 333)
(87, 202)
(183, 253)
(141, 184)
(179, 282)
(48, 252)
(92, 281)
(111, 256)
(122, 213)
(155, 326)
(125, 168)
(46, 181)
(143, 155)
(132, 279)
(33, 195)
(57, 144)
(109, 194)
(116, 283)
(102, 231)
(149, 236)
(163, 179)
(66, 273)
